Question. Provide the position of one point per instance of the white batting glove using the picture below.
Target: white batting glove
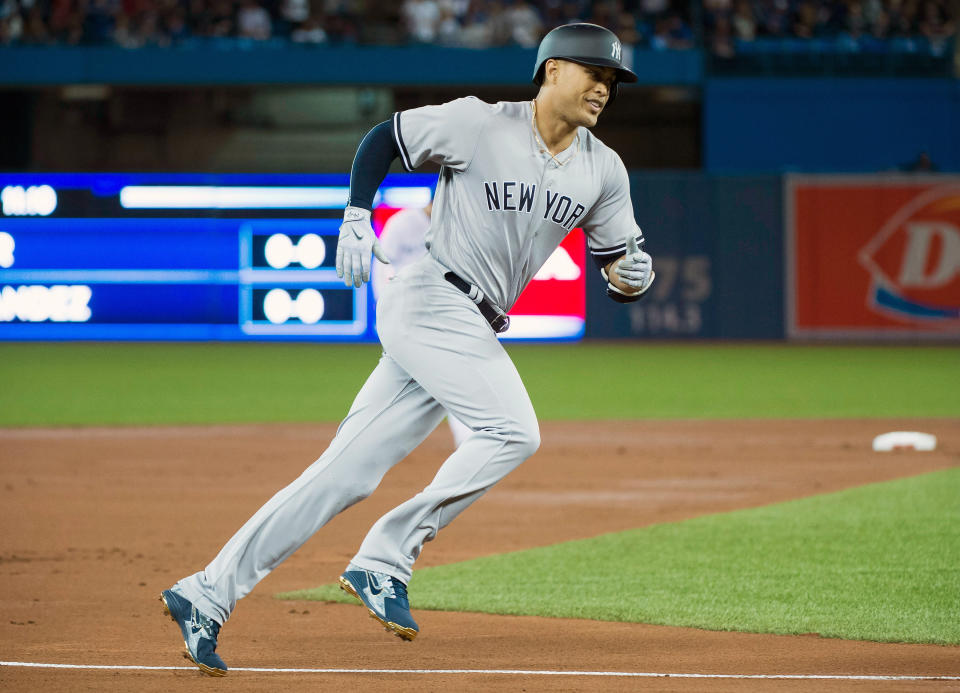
(636, 268)
(356, 241)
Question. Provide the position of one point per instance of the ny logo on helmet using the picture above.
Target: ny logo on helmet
(615, 50)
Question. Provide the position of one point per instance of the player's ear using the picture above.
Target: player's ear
(551, 71)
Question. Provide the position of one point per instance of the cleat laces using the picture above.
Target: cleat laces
(399, 591)
(209, 627)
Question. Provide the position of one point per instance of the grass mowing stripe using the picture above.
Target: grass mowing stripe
(876, 562)
(142, 383)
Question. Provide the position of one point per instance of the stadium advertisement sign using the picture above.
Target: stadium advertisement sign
(166, 256)
(873, 257)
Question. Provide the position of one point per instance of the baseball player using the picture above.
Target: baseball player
(515, 178)
(403, 240)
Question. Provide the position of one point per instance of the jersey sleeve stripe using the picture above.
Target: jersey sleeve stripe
(604, 259)
(620, 247)
(603, 256)
(398, 136)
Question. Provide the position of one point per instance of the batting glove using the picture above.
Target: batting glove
(356, 241)
(636, 268)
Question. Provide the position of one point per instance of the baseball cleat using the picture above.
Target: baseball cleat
(199, 633)
(385, 598)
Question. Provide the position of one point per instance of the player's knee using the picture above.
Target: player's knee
(358, 489)
(527, 439)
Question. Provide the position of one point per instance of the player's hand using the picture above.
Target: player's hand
(356, 241)
(635, 269)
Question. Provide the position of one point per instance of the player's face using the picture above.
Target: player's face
(586, 89)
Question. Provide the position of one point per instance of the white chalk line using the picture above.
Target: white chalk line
(507, 672)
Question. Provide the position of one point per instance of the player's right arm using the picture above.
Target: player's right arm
(374, 156)
(446, 134)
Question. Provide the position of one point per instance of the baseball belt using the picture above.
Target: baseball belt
(498, 320)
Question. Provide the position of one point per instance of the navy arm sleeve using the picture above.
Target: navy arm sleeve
(374, 156)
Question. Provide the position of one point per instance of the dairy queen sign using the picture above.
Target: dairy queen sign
(873, 257)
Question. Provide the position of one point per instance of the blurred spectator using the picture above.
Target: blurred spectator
(253, 21)
(421, 17)
(295, 11)
(501, 30)
(99, 20)
(774, 18)
(148, 29)
(854, 23)
(626, 29)
(342, 18)
(654, 8)
(935, 26)
(218, 19)
(311, 31)
(293, 14)
(573, 11)
(527, 29)
(65, 22)
(744, 22)
(11, 21)
(721, 43)
(671, 33)
(905, 18)
(448, 26)
(806, 23)
(35, 28)
(123, 34)
(477, 28)
(604, 13)
(175, 24)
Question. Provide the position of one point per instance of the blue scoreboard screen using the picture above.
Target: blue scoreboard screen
(182, 257)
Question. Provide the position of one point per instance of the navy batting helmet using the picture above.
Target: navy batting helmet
(584, 43)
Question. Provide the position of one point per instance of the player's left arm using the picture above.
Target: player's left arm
(631, 275)
(616, 242)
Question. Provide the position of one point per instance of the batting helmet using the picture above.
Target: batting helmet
(584, 43)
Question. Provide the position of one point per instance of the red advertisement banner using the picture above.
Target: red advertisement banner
(553, 306)
(873, 257)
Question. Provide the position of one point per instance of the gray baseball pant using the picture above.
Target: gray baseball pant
(439, 354)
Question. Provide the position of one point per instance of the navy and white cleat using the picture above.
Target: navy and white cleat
(199, 633)
(385, 598)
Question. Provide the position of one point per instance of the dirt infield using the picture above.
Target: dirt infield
(97, 521)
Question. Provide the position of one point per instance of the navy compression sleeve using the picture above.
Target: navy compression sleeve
(374, 156)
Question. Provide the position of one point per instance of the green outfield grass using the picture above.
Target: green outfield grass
(92, 383)
(877, 562)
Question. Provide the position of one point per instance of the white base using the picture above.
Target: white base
(909, 440)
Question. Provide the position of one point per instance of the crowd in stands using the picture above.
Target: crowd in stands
(847, 25)
(722, 25)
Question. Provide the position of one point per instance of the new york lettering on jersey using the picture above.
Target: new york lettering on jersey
(511, 196)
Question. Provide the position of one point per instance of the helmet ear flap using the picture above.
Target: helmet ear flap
(541, 71)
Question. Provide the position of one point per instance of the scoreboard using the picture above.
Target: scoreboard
(213, 257)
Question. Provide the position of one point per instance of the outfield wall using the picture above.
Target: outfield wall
(718, 253)
(858, 258)
(198, 257)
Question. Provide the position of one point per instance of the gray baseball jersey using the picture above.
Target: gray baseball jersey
(503, 204)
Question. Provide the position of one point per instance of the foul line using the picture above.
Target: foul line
(507, 672)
